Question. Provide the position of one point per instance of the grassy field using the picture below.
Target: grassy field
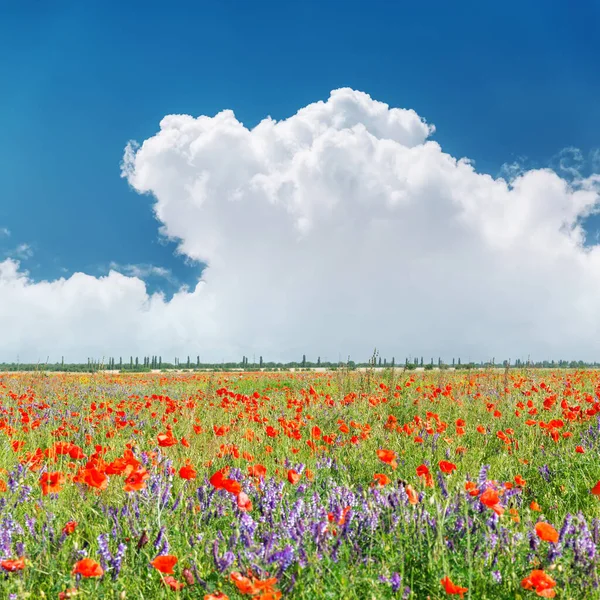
(300, 485)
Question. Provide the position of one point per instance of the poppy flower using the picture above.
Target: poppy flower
(579, 449)
(423, 471)
(546, 532)
(596, 489)
(388, 457)
(293, 476)
(136, 481)
(491, 499)
(257, 471)
(232, 486)
(453, 589)
(96, 479)
(413, 497)
(166, 439)
(70, 593)
(381, 479)
(69, 527)
(216, 596)
(173, 583)
(535, 506)
(187, 472)
(217, 480)
(17, 564)
(52, 482)
(88, 568)
(520, 481)
(446, 466)
(541, 583)
(244, 502)
(165, 563)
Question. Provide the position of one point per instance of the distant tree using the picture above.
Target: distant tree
(318, 361)
(137, 362)
(421, 361)
(261, 361)
(303, 360)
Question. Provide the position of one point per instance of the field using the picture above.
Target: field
(300, 485)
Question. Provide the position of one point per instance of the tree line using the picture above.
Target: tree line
(155, 362)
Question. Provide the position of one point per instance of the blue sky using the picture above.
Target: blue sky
(501, 82)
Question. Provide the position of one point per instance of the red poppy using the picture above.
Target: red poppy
(52, 482)
(546, 532)
(381, 479)
(257, 471)
(17, 564)
(413, 497)
(96, 479)
(88, 568)
(541, 583)
(165, 563)
(232, 486)
(218, 479)
(69, 527)
(243, 501)
(187, 472)
(388, 457)
(293, 476)
(491, 499)
(453, 589)
(136, 481)
(446, 466)
(173, 583)
(166, 439)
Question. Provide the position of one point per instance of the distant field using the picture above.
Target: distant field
(364, 485)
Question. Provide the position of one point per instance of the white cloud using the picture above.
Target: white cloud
(4, 232)
(339, 229)
(20, 252)
(143, 270)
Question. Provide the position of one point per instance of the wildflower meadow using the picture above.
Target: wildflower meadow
(360, 485)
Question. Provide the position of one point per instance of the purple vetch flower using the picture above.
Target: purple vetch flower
(158, 542)
(106, 558)
(554, 551)
(442, 484)
(224, 562)
(395, 581)
(545, 472)
(497, 576)
(118, 560)
(567, 529)
(483, 474)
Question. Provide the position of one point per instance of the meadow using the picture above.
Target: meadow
(374, 485)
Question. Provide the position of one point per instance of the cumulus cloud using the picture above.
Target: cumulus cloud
(20, 252)
(143, 271)
(341, 228)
